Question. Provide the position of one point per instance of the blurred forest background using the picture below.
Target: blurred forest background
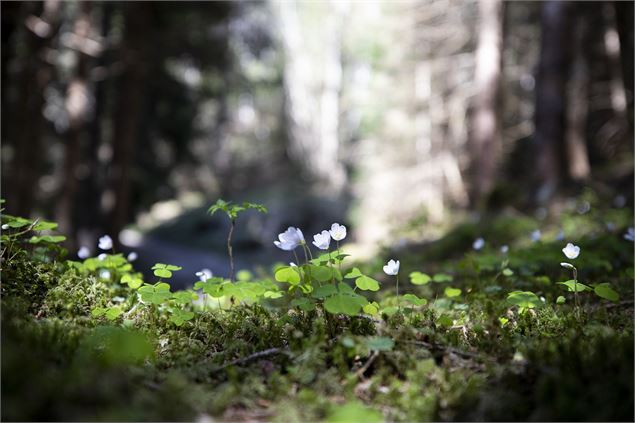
(396, 118)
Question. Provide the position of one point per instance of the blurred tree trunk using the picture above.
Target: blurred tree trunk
(128, 114)
(313, 125)
(550, 115)
(624, 16)
(578, 165)
(89, 221)
(485, 142)
(78, 104)
(34, 75)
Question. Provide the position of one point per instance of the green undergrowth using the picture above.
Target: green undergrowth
(473, 350)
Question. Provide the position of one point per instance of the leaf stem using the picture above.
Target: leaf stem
(229, 250)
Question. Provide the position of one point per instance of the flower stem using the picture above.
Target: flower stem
(398, 302)
(229, 250)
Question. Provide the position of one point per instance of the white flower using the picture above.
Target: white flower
(5, 226)
(83, 252)
(505, 249)
(289, 239)
(536, 235)
(338, 232)
(292, 264)
(105, 242)
(478, 243)
(567, 265)
(571, 251)
(132, 256)
(163, 342)
(322, 240)
(104, 274)
(102, 256)
(630, 235)
(392, 267)
(204, 274)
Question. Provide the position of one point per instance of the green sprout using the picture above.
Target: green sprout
(232, 211)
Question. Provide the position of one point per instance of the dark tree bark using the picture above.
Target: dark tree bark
(550, 115)
(485, 140)
(129, 107)
(78, 104)
(34, 74)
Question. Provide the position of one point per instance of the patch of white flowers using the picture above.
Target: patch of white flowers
(292, 238)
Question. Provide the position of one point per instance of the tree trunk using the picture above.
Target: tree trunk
(78, 103)
(485, 143)
(550, 115)
(578, 165)
(34, 76)
(128, 115)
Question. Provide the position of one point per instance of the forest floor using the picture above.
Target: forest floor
(464, 348)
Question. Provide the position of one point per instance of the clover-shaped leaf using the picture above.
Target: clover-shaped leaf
(304, 304)
(419, 278)
(413, 299)
(371, 308)
(53, 239)
(524, 299)
(133, 282)
(184, 297)
(324, 291)
(155, 294)
(366, 283)
(289, 274)
(353, 273)
(164, 271)
(452, 292)
(442, 277)
(179, 316)
(345, 303)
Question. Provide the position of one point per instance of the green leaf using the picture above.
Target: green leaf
(243, 275)
(244, 290)
(113, 313)
(444, 320)
(342, 303)
(16, 222)
(366, 283)
(371, 308)
(133, 282)
(170, 267)
(524, 299)
(47, 238)
(155, 294)
(212, 287)
(354, 412)
(184, 297)
(380, 343)
(324, 291)
(353, 273)
(389, 311)
(560, 300)
(162, 273)
(303, 304)
(179, 316)
(442, 277)
(418, 278)
(413, 299)
(43, 225)
(572, 286)
(321, 273)
(289, 274)
(98, 311)
(604, 290)
(273, 294)
(508, 272)
(452, 292)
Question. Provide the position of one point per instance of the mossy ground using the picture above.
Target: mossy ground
(264, 362)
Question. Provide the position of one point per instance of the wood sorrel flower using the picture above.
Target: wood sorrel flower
(478, 243)
(571, 251)
(289, 239)
(392, 267)
(105, 242)
(133, 256)
(630, 235)
(204, 274)
(322, 240)
(83, 252)
(338, 232)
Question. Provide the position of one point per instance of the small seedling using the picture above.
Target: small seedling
(232, 211)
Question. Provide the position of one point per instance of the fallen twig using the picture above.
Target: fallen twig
(254, 356)
(360, 372)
